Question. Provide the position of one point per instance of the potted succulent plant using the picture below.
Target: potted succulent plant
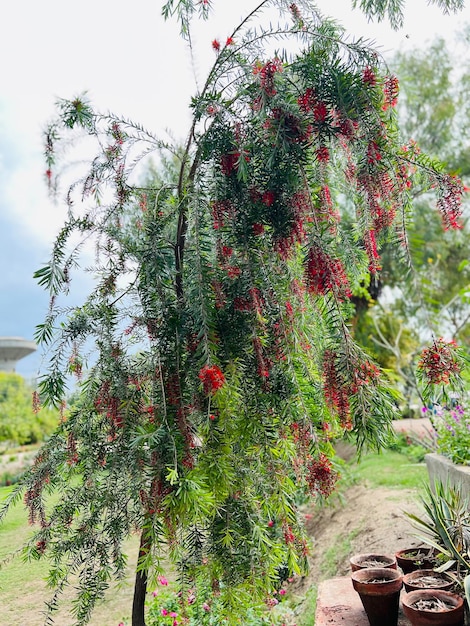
(412, 559)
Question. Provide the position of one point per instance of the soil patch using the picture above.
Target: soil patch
(364, 520)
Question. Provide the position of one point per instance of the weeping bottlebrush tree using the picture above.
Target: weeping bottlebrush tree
(213, 356)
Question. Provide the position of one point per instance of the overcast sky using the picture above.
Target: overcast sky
(131, 63)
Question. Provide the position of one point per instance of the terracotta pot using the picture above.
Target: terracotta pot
(412, 559)
(361, 561)
(415, 581)
(379, 590)
(454, 616)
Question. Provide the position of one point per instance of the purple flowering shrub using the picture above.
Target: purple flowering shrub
(452, 426)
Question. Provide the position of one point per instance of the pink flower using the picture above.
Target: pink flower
(155, 593)
(162, 580)
(173, 614)
(206, 607)
(164, 612)
(282, 592)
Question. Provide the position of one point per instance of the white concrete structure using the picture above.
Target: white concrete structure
(12, 349)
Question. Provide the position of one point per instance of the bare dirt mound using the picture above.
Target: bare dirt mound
(363, 520)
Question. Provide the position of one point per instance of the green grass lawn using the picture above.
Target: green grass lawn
(389, 469)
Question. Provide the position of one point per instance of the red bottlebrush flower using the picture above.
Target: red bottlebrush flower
(336, 390)
(373, 153)
(449, 202)
(326, 211)
(348, 128)
(321, 478)
(226, 251)
(289, 536)
(230, 41)
(370, 245)
(270, 523)
(369, 77)
(366, 373)
(263, 363)
(233, 271)
(48, 174)
(242, 304)
(307, 100)
(268, 198)
(258, 228)
(289, 309)
(212, 378)
(41, 546)
(228, 162)
(216, 45)
(391, 89)
(323, 154)
(440, 362)
(267, 73)
(220, 210)
(257, 300)
(324, 274)
(320, 112)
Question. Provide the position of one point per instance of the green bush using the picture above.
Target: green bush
(18, 422)
(167, 608)
(453, 433)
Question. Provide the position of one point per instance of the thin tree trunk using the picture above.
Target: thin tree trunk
(140, 586)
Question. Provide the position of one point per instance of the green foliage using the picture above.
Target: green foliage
(446, 525)
(18, 422)
(452, 428)
(204, 608)
(213, 355)
(393, 9)
(428, 288)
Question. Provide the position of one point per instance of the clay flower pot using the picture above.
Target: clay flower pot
(379, 590)
(412, 559)
(427, 579)
(361, 561)
(433, 607)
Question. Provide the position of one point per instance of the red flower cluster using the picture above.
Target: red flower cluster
(212, 378)
(228, 162)
(326, 211)
(440, 362)
(450, 202)
(391, 88)
(267, 73)
(336, 390)
(216, 45)
(307, 100)
(321, 478)
(370, 245)
(323, 154)
(369, 77)
(324, 274)
(365, 374)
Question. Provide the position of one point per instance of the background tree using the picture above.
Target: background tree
(214, 358)
(432, 295)
(19, 424)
